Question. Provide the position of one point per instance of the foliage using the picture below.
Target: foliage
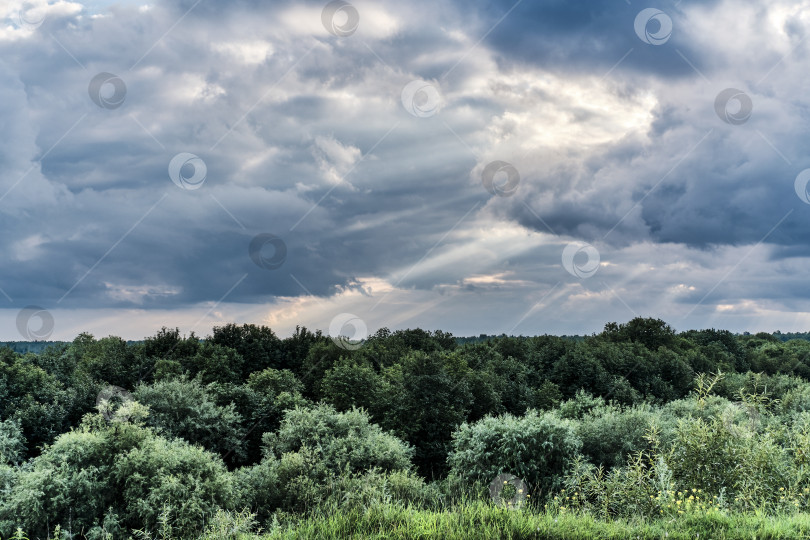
(539, 448)
(312, 449)
(121, 472)
(341, 440)
(258, 346)
(425, 402)
(610, 433)
(242, 430)
(351, 384)
(185, 409)
(12, 443)
(32, 397)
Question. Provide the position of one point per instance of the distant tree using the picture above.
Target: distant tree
(510, 376)
(261, 402)
(544, 351)
(652, 333)
(349, 384)
(258, 345)
(296, 347)
(108, 360)
(387, 348)
(774, 357)
(215, 363)
(320, 359)
(721, 349)
(159, 355)
(168, 343)
(580, 369)
(58, 361)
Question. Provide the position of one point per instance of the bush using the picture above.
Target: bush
(707, 409)
(308, 455)
(609, 433)
(632, 490)
(539, 448)
(722, 454)
(580, 405)
(341, 440)
(185, 409)
(12, 443)
(119, 474)
(261, 402)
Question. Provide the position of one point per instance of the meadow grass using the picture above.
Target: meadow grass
(484, 521)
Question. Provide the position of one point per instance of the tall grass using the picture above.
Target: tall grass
(484, 521)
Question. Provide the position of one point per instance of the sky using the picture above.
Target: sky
(522, 167)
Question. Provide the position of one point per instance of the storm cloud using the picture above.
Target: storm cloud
(360, 136)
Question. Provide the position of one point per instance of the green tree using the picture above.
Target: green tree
(652, 333)
(425, 405)
(350, 384)
(215, 363)
(33, 398)
(296, 347)
(12, 443)
(257, 345)
(108, 360)
(261, 403)
(580, 369)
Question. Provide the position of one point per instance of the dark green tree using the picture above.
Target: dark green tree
(258, 345)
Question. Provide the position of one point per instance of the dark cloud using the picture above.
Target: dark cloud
(591, 37)
(304, 136)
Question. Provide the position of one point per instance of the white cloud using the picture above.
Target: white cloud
(246, 52)
(334, 158)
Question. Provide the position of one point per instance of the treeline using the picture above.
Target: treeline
(35, 347)
(103, 436)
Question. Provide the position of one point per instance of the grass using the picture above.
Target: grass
(484, 521)
(480, 520)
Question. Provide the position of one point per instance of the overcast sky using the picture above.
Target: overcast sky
(530, 167)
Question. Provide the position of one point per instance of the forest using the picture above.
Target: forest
(638, 431)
